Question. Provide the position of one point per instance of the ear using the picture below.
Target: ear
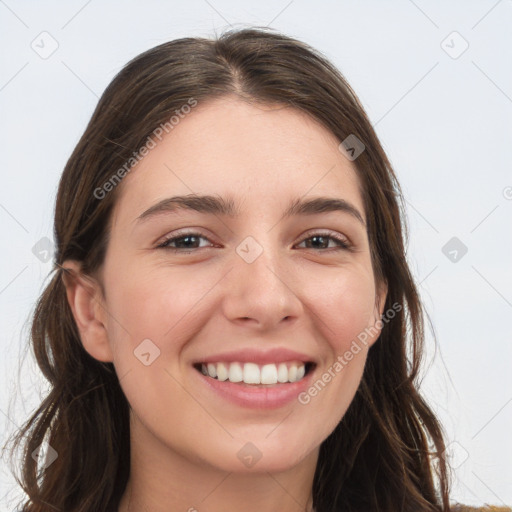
(380, 302)
(86, 301)
(380, 298)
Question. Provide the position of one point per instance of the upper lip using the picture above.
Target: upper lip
(258, 356)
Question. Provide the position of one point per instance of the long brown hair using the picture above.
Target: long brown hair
(387, 452)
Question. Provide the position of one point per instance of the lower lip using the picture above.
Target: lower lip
(254, 396)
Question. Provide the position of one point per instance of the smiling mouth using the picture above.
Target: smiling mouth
(254, 374)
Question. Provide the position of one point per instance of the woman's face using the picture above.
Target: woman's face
(251, 291)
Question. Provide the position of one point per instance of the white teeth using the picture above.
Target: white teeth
(212, 371)
(292, 373)
(269, 374)
(222, 372)
(236, 373)
(251, 373)
(282, 373)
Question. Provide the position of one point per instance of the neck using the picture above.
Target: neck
(252, 494)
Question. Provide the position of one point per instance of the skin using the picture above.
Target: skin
(313, 298)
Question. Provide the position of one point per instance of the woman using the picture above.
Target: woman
(231, 323)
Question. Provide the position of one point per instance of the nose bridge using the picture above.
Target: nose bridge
(259, 287)
(261, 258)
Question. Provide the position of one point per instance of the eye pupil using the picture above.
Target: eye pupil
(318, 237)
(183, 238)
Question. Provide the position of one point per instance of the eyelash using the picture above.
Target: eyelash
(343, 243)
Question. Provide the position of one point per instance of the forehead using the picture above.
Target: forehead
(257, 153)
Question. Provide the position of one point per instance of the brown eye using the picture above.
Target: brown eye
(322, 240)
(183, 242)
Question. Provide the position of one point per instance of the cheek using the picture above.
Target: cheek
(345, 306)
(344, 310)
(158, 305)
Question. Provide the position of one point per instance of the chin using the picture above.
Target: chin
(263, 455)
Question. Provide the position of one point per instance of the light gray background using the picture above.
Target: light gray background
(445, 123)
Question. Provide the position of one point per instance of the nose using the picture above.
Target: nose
(261, 292)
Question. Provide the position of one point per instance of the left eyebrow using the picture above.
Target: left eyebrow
(322, 205)
(216, 205)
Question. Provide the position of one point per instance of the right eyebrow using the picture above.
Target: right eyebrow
(203, 204)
